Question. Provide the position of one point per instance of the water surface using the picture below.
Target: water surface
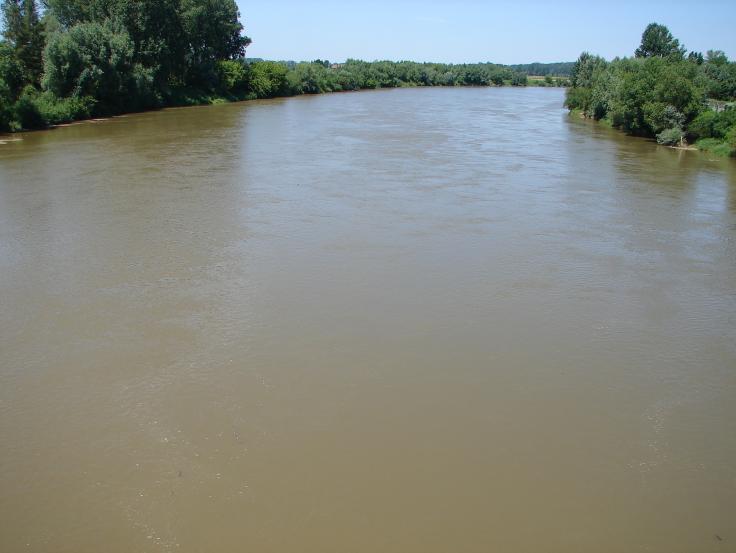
(411, 321)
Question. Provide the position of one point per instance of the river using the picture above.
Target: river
(411, 321)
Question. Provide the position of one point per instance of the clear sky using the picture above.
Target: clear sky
(472, 30)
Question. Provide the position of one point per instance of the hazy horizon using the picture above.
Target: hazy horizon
(470, 31)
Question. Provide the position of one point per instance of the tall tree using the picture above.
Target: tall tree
(213, 29)
(25, 33)
(657, 41)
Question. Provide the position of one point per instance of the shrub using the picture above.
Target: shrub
(518, 79)
(26, 114)
(660, 116)
(715, 146)
(55, 110)
(267, 79)
(702, 125)
(711, 124)
(670, 137)
(578, 98)
(92, 59)
(6, 105)
(233, 75)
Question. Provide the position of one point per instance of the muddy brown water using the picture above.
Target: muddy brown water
(416, 321)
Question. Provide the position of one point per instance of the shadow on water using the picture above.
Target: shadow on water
(643, 168)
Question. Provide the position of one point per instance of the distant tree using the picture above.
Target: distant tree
(561, 69)
(519, 79)
(657, 41)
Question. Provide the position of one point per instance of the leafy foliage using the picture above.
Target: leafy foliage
(657, 41)
(659, 92)
(91, 59)
(561, 69)
(670, 137)
(102, 57)
(25, 34)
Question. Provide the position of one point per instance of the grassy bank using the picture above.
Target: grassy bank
(719, 148)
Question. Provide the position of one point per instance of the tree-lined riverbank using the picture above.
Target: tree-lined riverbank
(95, 58)
(661, 93)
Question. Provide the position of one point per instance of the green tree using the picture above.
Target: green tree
(716, 57)
(154, 26)
(696, 58)
(96, 60)
(268, 79)
(11, 83)
(24, 31)
(11, 72)
(213, 32)
(233, 75)
(657, 41)
(519, 79)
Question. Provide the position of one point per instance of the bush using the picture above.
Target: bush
(518, 80)
(660, 116)
(55, 110)
(268, 79)
(92, 59)
(578, 98)
(702, 125)
(724, 122)
(311, 78)
(26, 114)
(233, 75)
(670, 137)
(715, 146)
(6, 105)
(711, 124)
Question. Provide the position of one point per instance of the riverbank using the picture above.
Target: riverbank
(664, 93)
(29, 108)
(26, 107)
(190, 97)
(718, 148)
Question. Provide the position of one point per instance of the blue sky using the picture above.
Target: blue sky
(472, 30)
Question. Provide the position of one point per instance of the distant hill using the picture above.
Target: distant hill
(560, 69)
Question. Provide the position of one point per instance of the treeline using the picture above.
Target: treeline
(662, 92)
(561, 69)
(264, 79)
(87, 58)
